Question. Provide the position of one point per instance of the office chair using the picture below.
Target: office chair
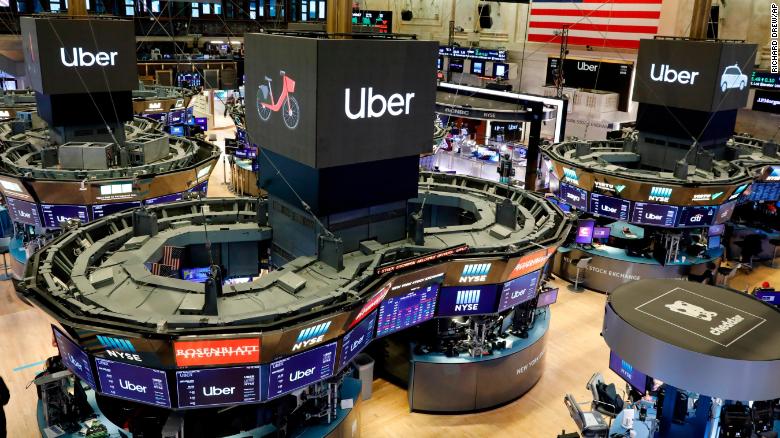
(590, 424)
(606, 400)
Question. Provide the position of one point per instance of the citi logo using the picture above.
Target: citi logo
(300, 374)
(467, 300)
(475, 272)
(697, 218)
(571, 176)
(670, 75)
(214, 391)
(374, 106)
(311, 336)
(81, 58)
(130, 386)
(582, 65)
(660, 194)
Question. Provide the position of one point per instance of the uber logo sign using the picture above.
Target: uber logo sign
(374, 106)
(82, 58)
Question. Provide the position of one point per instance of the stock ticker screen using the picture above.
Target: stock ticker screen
(132, 382)
(102, 210)
(696, 216)
(518, 291)
(654, 214)
(54, 214)
(219, 386)
(574, 196)
(290, 373)
(74, 358)
(610, 207)
(411, 308)
(357, 339)
(23, 212)
(765, 191)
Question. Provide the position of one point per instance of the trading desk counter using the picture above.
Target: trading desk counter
(346, 423)
(438, 383)
(610, 267)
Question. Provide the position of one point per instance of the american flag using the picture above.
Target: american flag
(618, 24)
(164, 270)
(172, 256)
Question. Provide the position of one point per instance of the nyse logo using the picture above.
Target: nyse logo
(475, 272)
(154, 106)
(375, 106)
(81, 58)
(660, 194)
(119, 348)
(214, 391)
(666, 74)
(130, 386)
(299, 374)
(311, 336)
(467, 300)
(571, 176)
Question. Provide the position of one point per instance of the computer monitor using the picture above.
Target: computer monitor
(440, 63)
(601, 232)
(500, 70)
(626, 371)
(177, 131)
(547, 297)
(716, 230)
(585, 231)
(713, 242)
(477, 67)
(456, 65)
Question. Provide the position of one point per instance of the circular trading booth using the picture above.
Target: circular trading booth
(166, 312)
(698, 360)
(639, 222)
(52, 174)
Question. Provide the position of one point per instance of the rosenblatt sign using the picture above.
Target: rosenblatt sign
(217, 352)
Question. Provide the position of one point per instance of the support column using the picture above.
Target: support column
(339, 16)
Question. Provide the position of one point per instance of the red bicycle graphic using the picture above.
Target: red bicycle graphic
(288, 104)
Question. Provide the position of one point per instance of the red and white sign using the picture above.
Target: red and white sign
(217, 352)
(530, 262)
(371, 304)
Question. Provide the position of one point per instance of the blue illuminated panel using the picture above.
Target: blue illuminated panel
(218, 386)
(654, 214)
(74, 358)
(411, 308)
(294, 372)
(518, 291)
(357, 339)
(132, 382)
(574, 196)
(173, 197)
(610, 207)
(467, 300)
(102, 210)
(54, 214)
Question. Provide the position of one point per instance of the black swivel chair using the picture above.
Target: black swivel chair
(590, 424)
(606, 400)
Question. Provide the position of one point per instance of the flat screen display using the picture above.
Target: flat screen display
(601, 232)
(132, 382)
(357, 339)
(219, 386)
(405, 310)
(177, 131)
(102, 210)
(456, 65)
(574, 196)
(202, 188)
(440, 63)
(765, 79)
(762, 191)
(23, 212)
(173, 197)
(585, 232)
(467, 300)
(766, 101)
(696, 216)
(74, 358)
(477, 67)
(725, 211)
(716, 230)
(713, 242)
(518, 291)
(610, 207)
(54, 214)
(201, 122)
(197, 275)
(627, 372)
(654, 214)
(301, 370)
(175, 118)
(500, 70)
(547, 297)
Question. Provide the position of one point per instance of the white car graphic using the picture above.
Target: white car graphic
(689, 309)
(732, 77)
